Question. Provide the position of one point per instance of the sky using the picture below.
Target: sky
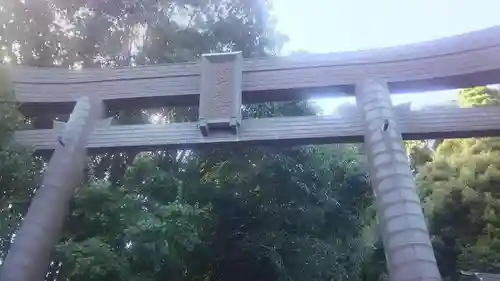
(323, 26)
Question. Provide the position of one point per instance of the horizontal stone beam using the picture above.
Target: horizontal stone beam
(454, 62)
(423, 124)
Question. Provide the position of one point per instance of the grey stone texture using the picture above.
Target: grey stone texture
(406, 239)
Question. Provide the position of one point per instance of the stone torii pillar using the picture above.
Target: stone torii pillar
(404, 232)
(30, 254)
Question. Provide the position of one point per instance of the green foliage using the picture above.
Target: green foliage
(147, 235)
(459, 189)
(92, 260)
(418, 152)
(478, 96)
(290, 215)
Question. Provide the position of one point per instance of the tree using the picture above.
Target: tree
(255, 224)
(461, 199)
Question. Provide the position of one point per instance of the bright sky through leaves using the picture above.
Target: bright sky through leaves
(322, 26)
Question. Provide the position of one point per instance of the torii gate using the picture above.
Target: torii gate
(221, 82)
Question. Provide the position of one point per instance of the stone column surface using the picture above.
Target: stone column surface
(404, 232)
(29, 256)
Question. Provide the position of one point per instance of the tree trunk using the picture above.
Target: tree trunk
(30, 255)
(407, 244)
